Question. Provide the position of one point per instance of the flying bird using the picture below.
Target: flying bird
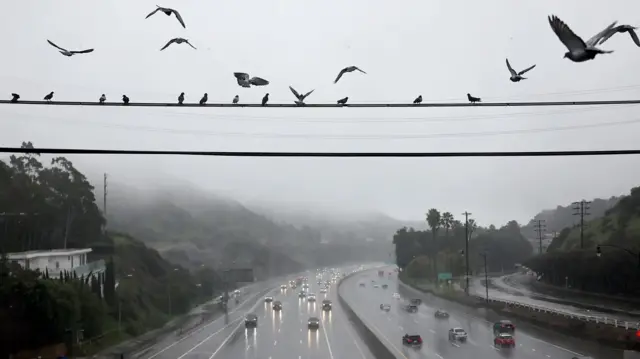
(343, 101)
(181, 98)
(15, 97)
(418, 100)
(473, 99)
(345, 70)
(265, 99)
(177, 40)
(103, 98)
(125, 99)
(245, 81)
(620, 29)
(517, 76)
(236, 98)
(66, 52)
(167, 11)
(300, 98)
(579, 51)
(49, 97)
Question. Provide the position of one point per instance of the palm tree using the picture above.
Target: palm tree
(472, 226)
(433, 220)
(446, 221)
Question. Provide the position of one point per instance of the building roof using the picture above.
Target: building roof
(48, 253)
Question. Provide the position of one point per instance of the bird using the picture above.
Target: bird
(245, 81)
(300, 98)
(265, 99)
(15, 97)
(49, 97)
(347, 69)
(343, 101)
(204, 99)
(473, 99)
(103, 98)
(418, 100)
(68, 53)
(167, 11)
(620, 29)
(236, 98)
(579, 51)
(517, 76)
(125, 99)
(177, 40)
(181, 98)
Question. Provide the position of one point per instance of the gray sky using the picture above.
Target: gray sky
(440, 49)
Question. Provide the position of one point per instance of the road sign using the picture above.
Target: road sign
(444, 276)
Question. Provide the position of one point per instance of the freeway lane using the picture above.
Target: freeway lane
(531, 343)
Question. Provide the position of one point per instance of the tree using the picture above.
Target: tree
(446, 221)
(433, 220)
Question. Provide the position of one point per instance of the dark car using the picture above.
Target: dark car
(441, 314)
(414, 340)
(362, 284)
(411, 308)
(385, 307)
(268, 299)
(302, 295)
(385, 286)
(504, 326)
(504, 340)
(251, 321)
(313, 323)
(277, 305)
(326, 304)
(416, 301)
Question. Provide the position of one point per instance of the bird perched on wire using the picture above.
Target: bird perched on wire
(265, 99)
(69, 53)
(517, 76)
(49, 97)
(300, 97)
(204, 99)
(177, 40)
(167, 11)
(181, 98)
(473, 99)
(236, 99)
(343, 101)
(102, 99)
(125, 99)
(418, 100)
(579, 51)
(345, 70)
(245, 81)
(621, 29)
(15, 97)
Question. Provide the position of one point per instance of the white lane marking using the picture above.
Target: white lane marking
(326, 338)
(439, 356)
(275, 342)
(400, 326)
(205, 339)
(224, 342)
(533, 350)
(301, 339)
(455, 344)
(432, 331)
(548, 356)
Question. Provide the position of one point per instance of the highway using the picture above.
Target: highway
(531, 342)
(281, 334)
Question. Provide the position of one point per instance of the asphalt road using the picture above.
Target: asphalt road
(279, 335)
(531, 342)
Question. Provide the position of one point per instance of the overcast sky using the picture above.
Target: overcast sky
(439, 49)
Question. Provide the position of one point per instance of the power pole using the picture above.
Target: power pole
(466, 249)
(581, 209)
(104, 202)
(539, 227)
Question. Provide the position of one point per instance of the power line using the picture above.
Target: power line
(581, 209)
(87, 151)
(539, 227)
(330, 105)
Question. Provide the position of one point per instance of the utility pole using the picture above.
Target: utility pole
(539, 227)
(104, 201)
(581, 209)
(466, 249)
(486, 277)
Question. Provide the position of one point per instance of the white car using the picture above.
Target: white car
(376, 286)
(323, 290)
(457, 334)
(311, 297)
(396, 295)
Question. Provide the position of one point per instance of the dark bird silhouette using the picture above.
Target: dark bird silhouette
(473, 99)
(418, 100)
(300, 98)
(265, 99)
(125, 99)
(579, 51)
(68, 53)
(345, 70)
(517, 76)
(245, 81)
(236, 99)
(49, 97)
(343, 101)
(15, 97)
(204, 99)
(103, 98)
(621, 29)
(177, 40)
(181, 98)
(167, 11)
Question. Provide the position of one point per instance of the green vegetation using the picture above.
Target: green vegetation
(616, 271)
(423, 254)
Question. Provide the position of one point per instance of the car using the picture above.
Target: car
(396, 295)
(503, 326)
(411, 308)
(319, 282)
(376, 286)
(311, 297)
(362, 284)
(385, 286)
(250, 320)
(326, 304)
(277, 305)
(416, 301)
(441, 314)
(302, 295)
(305, 286)
(268, 299)
(413, 340)
(504, 340)
(284, 286)
(313, 323)
(323, 290)
(385, 307)
(457, 334)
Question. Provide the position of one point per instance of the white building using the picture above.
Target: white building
(57, 261)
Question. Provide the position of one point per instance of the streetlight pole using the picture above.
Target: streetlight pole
(466, 249)
(486, 276)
